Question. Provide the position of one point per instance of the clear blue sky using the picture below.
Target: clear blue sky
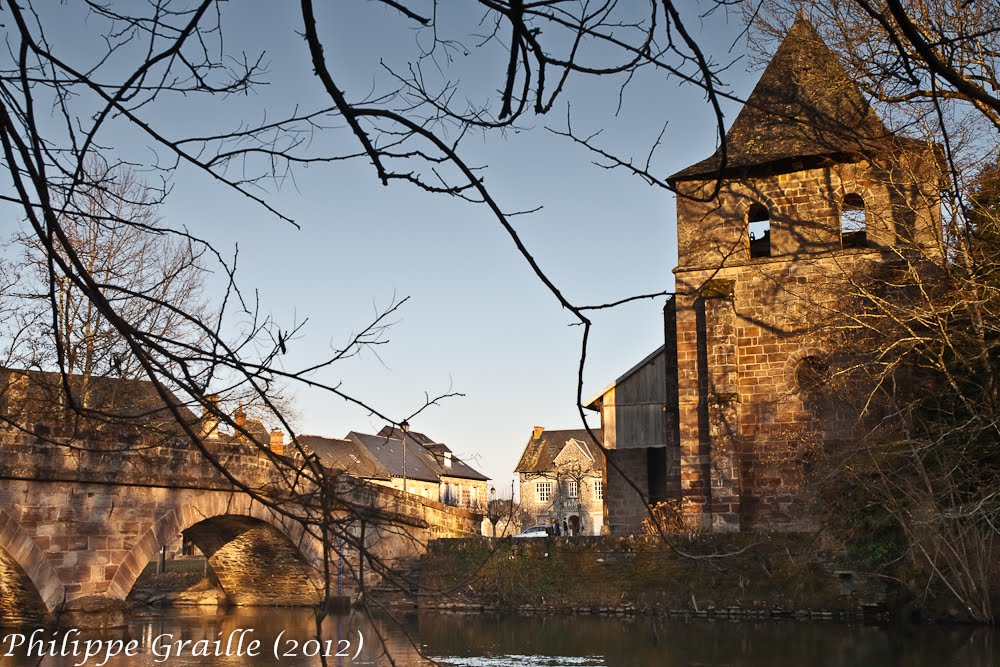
(477, 322)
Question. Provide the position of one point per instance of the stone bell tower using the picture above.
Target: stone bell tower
(812, 191)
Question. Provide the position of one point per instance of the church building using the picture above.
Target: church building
(810, 194)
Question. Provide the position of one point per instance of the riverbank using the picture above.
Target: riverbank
(780, 576)
(184, 582)
(775, 576)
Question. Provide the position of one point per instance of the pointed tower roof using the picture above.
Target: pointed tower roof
(804, 109)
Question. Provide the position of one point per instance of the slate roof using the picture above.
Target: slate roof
(346, 456)
(461, 469)
(804, 106)
(458, 468)
(388, 452)
(254, 428)
(32, 396)
(540, 452)
(414, 436)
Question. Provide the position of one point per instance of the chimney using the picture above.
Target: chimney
(277, 442)
(537, 432)
(240, 417)
(209, 420)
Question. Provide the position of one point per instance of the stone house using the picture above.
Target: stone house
(461, 484)
(431, 468)
(812, 192)
(562, 480)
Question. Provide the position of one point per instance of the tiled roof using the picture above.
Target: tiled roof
(541, 451)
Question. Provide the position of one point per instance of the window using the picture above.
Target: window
(466, 496)
(573, 488)
(853, 222)
(599, 489)
(812, 373)
(759, 231)
(544, 491)
(448, 494)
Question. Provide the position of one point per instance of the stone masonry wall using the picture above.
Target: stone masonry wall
(745, 327)
(626, 507)
(81, 523)
(731, 575)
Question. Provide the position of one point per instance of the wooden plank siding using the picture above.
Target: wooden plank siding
(633, 412)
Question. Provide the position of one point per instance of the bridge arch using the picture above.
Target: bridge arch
(260, 558)
(26, 567)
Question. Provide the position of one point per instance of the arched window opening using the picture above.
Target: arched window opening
(853, 222)
(759, 231)
(812, 373)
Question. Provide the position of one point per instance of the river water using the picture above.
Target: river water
(183, 637)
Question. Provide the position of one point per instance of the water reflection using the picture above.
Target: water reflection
(617, 642)
(500, 640)
(244, 636)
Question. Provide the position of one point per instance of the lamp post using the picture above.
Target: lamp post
(404, 426)
(491, 509)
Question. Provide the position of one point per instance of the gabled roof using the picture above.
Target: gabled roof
(804, 106)
(584, 449)
(458, 468)
(345, 456)
(388, 452)
(254, 428)
(591, 403)
(411, 436)
(461, 469)
(540, 452)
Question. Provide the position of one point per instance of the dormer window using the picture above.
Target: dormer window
(853, 222)
(759, 231)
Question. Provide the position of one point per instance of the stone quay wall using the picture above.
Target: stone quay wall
(780, 575)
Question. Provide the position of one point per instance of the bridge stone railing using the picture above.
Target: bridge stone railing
(81, 519)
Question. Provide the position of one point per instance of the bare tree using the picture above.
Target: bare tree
(912, 343)
(409, 133)
(111, 222)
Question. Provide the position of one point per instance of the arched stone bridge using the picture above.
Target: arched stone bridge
(79, 524)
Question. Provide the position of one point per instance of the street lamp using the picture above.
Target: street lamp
(491, 510)
(404, 426)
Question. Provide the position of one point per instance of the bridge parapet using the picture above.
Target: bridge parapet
(79, 521)
(439, 519)
(175, 464)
